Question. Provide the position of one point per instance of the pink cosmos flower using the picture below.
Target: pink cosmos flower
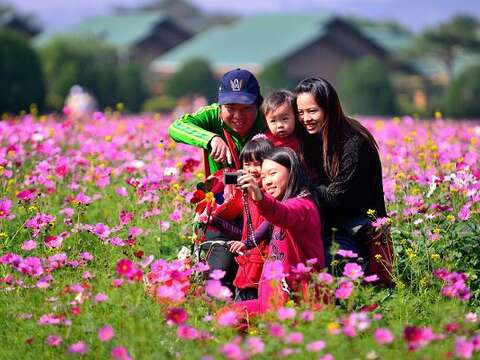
(273, 270)
(134, 231)
(121, 191)
(463, 348)
(465, 213)
(326, 357)
(100, 297)
(316, 346)
(125, 267)
(29, 245)
(255, 345)
(176, 215)
(294, 338)
(276, 330)
(215, 289)
(101, 230)
(217, 274)
(54, 340)
(125, 217)
(232, 351)
(325, 278)
(307, 315)
(285, 313)
(371, 278)
(164, 225)
(83, 199)
(27, 195)
(79, 348)
(353, 271)
(187, 333)
(106, 333)
(228, 318)
(53, 242)
(5, 207)
(347, 254)
(344, 290)
(176, 316)
(383, 336)
(120, 353)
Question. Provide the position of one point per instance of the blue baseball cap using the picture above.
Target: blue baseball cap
(239, 86)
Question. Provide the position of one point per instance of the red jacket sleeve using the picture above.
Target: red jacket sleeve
(292, 213)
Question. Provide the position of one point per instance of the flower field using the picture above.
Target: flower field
(93, 214)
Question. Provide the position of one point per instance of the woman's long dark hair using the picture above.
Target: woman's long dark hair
(332, 130)
(298, 183)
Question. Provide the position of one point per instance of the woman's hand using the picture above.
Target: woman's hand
(219, 150)
(237, 247)
(248, 182)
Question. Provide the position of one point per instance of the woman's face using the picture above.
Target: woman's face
(311, 116)
(274, 178)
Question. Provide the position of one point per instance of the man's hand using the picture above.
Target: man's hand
(219, 150)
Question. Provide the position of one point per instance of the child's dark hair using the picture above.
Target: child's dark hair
(298, 183)
(255, 149)
(278, 98)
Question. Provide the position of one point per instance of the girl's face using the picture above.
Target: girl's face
(311, 116)
(281, 121)
(253, 168)
(274, 178)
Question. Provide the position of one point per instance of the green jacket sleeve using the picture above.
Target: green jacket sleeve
(197, 129)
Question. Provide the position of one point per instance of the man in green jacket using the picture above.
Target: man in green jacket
(237, 112)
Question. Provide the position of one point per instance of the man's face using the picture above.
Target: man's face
(239, 117)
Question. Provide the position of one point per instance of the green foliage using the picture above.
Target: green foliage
(445, 41)
(21, 75)
(365, 88)
(93, 65)
(195, 77)
(463, 94)
(159, 104)
(272, 77)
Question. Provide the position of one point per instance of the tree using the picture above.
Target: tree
(93, 65)
(194, 78)
(462, 96)
(21, 78)
(447, 40)
(365, 88)
(273, 77)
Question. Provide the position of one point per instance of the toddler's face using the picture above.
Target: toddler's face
(281, 121)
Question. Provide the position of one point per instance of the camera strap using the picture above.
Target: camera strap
(232, 148)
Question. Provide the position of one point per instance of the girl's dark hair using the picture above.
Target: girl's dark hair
(298, 183)
(255, 149)
(333, 129)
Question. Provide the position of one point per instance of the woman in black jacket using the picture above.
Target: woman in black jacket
(344, 162)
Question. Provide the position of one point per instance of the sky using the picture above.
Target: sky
(414, 14)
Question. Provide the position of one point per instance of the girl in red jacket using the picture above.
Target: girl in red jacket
(287, 203)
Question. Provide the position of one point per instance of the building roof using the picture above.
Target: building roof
(122, 30)
(250, 41)
(391, 36)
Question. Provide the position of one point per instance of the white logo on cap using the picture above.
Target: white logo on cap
(236, 84)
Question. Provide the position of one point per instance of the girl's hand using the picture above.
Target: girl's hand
(237, 247)
(248, 182)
